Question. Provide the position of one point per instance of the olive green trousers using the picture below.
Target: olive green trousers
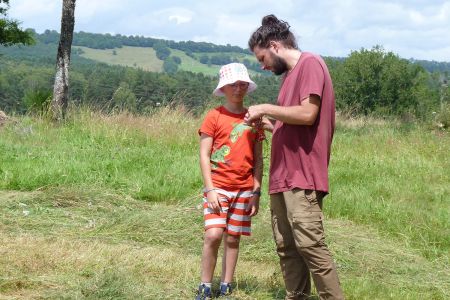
(297, 223)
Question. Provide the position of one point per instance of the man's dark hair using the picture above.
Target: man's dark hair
(272, 29)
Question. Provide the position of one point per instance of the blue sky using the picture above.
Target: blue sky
(412, 29)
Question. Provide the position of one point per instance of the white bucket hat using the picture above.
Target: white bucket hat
(230, 74)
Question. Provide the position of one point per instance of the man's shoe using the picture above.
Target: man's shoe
(203, 293)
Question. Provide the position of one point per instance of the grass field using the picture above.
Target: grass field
(107, 207)
(137, 57)
(145, 58)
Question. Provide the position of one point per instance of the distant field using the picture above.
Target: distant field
(138, 57)
(190, 64)
(145, 58)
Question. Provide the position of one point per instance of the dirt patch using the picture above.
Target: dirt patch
(3, 118)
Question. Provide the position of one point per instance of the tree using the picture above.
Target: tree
(380, 82)
(170, 66)
(204, 59)
(10, 32)
(61, 86)
(124, 98)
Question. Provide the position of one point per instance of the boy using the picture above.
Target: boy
(231, 165)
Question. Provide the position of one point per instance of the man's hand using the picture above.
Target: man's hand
(213, 202)
(254, 113)
(253, 206)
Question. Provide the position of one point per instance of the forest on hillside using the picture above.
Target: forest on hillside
(368, 81)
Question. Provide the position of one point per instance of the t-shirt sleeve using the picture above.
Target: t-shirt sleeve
(312, 79)
(209, 124)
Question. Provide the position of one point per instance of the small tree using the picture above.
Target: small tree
(10, 32)
(380, 82)
(61, 86)
(170, 66)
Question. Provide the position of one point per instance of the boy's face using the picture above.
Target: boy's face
(235, 92)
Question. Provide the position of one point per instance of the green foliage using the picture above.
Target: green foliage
(162, 51)
(367, 82)
(220, 59)
(170, 65)
(10, 32)
(107, 41)
(37, 101)
(96, 84)
(373, 81)
(204, 59)
(442, 118)
(177, 60)
(433, 66)
(124, 98)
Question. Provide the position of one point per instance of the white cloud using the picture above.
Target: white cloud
(180, 19)
(34, 9)
(410, 28)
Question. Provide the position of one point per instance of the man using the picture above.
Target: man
(302, 129)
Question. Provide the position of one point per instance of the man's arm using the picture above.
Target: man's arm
(303, 114)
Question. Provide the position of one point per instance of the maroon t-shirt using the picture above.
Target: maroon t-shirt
(301, 153)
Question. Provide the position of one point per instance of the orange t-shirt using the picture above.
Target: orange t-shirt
(232, 151)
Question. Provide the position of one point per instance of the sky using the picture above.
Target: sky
(418, 29)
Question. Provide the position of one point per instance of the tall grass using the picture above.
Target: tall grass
(394, 177)
(107, 207)
(148, 158)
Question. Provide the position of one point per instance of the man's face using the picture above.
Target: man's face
(270, 61)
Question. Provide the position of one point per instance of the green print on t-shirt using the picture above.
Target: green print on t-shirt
(219, 156)
(238, 130)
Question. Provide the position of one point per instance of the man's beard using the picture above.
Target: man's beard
(279, 65)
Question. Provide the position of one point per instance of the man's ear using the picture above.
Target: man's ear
(275, 45)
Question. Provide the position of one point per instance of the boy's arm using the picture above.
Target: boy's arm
(257, 178)
(206, 142)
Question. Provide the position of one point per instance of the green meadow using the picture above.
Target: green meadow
(145, 58)
(107, 206)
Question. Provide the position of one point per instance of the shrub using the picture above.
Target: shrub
(37, 101)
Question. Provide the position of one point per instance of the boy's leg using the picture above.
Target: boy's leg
(230, 256)
(213, 237)
(238, 223)
(215, 224)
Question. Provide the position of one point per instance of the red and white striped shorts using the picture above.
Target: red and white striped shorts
(233, 216)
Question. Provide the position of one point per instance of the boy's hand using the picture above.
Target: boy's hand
(213, 202)
(253, 206)
(267, 124)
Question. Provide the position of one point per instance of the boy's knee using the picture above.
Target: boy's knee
(213, 237)
(233, 241)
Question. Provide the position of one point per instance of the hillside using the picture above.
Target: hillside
(226, 53)
(155, 55)
(138, 74)
(145, 58)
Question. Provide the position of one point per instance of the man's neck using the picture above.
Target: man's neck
(292, 56)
